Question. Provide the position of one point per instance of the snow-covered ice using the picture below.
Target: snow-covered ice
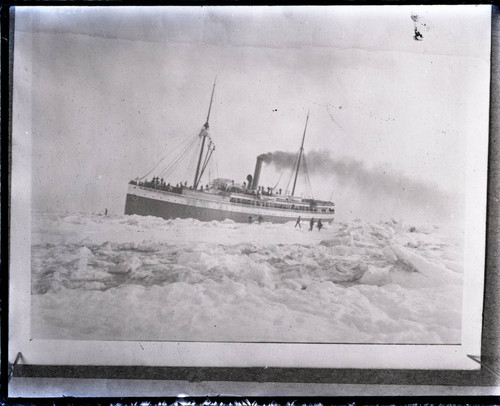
(123, 277)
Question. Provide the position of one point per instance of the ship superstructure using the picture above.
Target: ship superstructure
(222, 198)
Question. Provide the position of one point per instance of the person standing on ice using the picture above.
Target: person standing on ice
(320, 225)
(311, 224)
(297, 223)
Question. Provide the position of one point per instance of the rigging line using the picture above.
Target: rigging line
(165, 156)
(203, 169)
(152, 169)
(188, 141)
(310, 186)
(306, 171)
(161, 160)
(156, 165)
(191, 167)
(293, 169)
(207, 160)
(173, 168)
(177, 159)
(173, 140)
(173, 171)
(207, 157)
(277, 183)
(193, 140)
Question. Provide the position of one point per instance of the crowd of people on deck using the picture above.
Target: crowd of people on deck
(160, 184)
(260, 191)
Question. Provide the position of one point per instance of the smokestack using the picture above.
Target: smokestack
(256, 174)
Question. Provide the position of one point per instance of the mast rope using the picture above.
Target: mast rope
(207, 156)
(191, 163)
(277, 183)
(306, 171)
(295, 159)
(173, 165)
(152, 169)
(210, 150)
(179, 145)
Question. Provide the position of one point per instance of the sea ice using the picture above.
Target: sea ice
(144, 278)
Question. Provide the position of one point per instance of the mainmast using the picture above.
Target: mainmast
(204, 135)
(300, 155)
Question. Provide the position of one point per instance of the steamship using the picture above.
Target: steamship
(222, 198)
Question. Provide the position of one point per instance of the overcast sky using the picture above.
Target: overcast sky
(114, 89)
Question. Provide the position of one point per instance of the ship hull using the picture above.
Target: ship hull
(167, 205)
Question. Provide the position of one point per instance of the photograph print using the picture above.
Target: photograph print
(252, 174)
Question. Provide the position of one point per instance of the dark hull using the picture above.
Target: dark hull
(145, 206)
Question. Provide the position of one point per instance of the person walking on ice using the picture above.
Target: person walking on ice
(311, 224)
(320, 225)
(297, 223)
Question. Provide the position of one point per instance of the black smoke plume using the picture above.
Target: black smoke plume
(374, 183)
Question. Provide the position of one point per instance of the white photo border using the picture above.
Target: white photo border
(212, 354)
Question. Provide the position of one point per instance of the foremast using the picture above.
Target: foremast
(204, 135)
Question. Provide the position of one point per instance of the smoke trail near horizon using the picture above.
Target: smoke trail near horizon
(375, 183)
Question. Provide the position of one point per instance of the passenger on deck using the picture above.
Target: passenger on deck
(297, 223)
(311, 224)
(260, 219)
(250, 220)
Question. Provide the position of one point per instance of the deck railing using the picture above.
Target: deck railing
(233, 200)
